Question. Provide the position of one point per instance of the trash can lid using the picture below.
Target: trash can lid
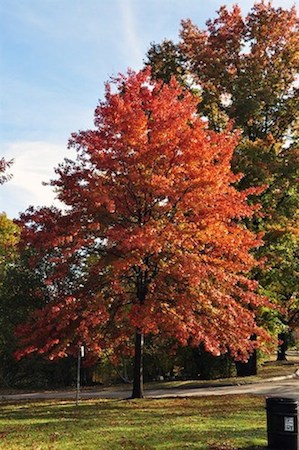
(282, 400)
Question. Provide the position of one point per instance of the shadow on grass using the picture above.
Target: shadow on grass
(173, 424)
(232, 447)
(126, 435)
(200, 408)
(257, 447)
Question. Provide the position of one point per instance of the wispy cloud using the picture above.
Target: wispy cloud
(132, 45)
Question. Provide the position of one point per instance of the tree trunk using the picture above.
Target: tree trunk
(138, 366)
(245, 369)
(282, 348)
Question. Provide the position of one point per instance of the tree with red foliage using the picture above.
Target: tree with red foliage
(150, 241)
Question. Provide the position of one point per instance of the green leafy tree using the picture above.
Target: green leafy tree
(21, 292)
(165, 60)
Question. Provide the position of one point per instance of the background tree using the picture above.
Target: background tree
(280, 277)
(21, 292)
(249, 65)
(246, 71)
(150, 242)
(9, 236)
(165, 61)
(16, 300)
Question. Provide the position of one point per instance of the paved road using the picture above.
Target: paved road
(287, 387)
(281, 388)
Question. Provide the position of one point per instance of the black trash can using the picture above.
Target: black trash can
(282, 423)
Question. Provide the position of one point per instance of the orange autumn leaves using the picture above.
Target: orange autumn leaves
(151, 237)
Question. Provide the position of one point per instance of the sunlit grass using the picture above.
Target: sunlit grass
(228, 422)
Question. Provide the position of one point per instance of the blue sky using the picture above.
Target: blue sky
(55, 58)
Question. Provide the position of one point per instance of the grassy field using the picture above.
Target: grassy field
(214, 423)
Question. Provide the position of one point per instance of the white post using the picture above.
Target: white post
(80, 354)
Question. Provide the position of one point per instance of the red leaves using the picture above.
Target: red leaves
(151, 237)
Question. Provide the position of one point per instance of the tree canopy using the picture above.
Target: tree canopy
(245, 70)
(151, 240)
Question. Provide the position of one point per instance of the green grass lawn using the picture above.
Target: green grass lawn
(215, 423)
